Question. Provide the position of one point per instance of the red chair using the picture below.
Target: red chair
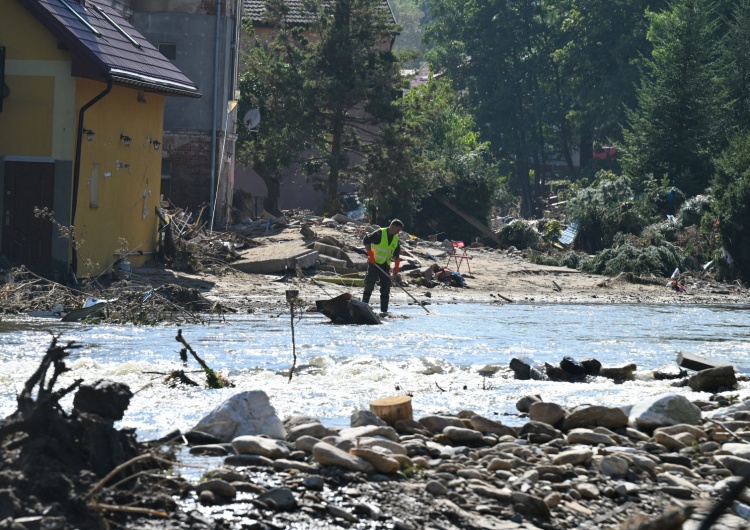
(459, 258)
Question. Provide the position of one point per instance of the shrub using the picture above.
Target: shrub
(518, 234)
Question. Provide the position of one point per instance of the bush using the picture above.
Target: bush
(518, 234)
(693, 210)
(658, 260)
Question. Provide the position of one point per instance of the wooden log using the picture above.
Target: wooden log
(391, 409)
(696, 362)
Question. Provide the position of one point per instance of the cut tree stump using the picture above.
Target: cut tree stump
(392, 409)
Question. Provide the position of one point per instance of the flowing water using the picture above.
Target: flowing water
(443, 358)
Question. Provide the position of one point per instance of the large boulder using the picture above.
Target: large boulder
(664, 410)
(246, 413)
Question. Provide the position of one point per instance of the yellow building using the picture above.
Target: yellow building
(81, 120)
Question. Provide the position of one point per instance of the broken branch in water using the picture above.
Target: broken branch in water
(213, 380)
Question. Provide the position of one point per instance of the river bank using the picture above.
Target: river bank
(490, 275)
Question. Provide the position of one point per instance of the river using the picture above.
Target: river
(442, 358)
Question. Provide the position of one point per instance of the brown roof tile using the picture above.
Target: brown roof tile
(106, 39)
(253, 10)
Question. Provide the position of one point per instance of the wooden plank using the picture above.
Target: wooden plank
(697, 362)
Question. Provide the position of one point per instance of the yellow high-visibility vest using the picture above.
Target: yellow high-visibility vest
(383, 250)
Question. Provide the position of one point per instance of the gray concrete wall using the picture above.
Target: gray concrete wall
(195, 38)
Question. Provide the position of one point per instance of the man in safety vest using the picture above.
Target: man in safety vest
(381, 246)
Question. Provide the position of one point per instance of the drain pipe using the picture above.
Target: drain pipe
(214, 116)
(77, 175)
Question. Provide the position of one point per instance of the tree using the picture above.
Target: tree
(275, 83)
(434, 150)
(598, 55)
(671, 132)
(356, 78)
(734, 64)
(323, 98)
(499, 53)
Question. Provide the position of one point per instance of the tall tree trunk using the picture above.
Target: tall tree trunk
(586, 148)
(337, 162)
(273, 185)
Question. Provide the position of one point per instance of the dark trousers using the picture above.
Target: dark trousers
(373, 275)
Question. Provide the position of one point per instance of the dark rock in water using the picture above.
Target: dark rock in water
(573, 367)
(717, 379)
(201, 438)
(592, 366)
(344, 310)
(105, 398)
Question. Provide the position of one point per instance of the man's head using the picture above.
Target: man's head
(395, 227)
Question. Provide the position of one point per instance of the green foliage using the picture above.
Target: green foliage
(651, 260)
(731, 206)
(550, 230)
(518, 234)
(673, 130)
(606, 210)
(320, 99)
(693, 210)
(434, 150)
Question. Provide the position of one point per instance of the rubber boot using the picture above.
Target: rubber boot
(384, 304)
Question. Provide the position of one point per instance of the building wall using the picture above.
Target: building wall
(189, 123)
(37, 122)
(122, 214)
(38, 115)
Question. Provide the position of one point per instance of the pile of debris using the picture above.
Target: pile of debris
(70, 471)
(119, 301)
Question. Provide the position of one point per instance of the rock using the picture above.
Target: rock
(246, 413)
(361, 418)
(588, 491)
(248, 460)
(485, 490)
(487, 425)
(530, 505)
(619, 373)
(353, 433)
(305, 443)
(524, 371)
(737, 449)
(738, 466)
(258, 445)
(549, 413)
(579, 455)
(670, 442)
(279, 498)
(595, 416)
(538, 432)
(460, 435)
(316, 430)
(382, 463)
(436, 424)
(588, 437)
(613, 466)
(218, 487)
(664, 410)
(717, 379)
(107, 399)
(384, 443)
(524, 404)
(329, 455)
(436, 488)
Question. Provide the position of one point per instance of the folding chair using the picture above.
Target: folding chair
(458, 258)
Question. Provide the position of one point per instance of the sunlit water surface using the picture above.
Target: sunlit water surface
(440, 358)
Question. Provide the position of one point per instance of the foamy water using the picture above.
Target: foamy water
(441, 358)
